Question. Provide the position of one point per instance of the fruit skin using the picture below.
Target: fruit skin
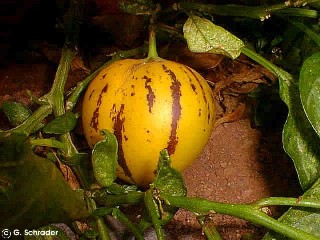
(149, 104)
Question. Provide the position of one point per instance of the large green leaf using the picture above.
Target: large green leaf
(309, 86)
(33, 191)
(204, 36)
(300, 141)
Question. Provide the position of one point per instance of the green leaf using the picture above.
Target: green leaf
(302, 219)
(137, 7)
(104, 159)
(300, 141)
(309, 86)
(33, 191)
(15, 112)
(62, 124)
(168, 180)
(204, 36)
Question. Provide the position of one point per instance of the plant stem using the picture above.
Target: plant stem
(242, 211)
(152, 35)
(313, 35)
(255, 12)
(209, 230)
(267, 64)
(297, 12)
(56, 98)
(56, 94)
(107, 200)
(101, 227)
(124, 219)
(28, 126)
(153, 211)
(152, 44)
(283, 201)
(103, 230)
(48, 143)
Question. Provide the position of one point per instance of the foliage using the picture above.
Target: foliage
(34, 193)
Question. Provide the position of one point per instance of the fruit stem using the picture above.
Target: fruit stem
(152, 35)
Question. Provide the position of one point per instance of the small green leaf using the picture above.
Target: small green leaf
(168, 180)
(137, 7)
(15, 112)
(309, 86)
(62, 124)
(204, 36)
(104, 159)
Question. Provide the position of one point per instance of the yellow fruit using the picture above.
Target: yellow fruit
(149, 105)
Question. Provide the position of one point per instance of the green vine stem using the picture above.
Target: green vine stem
(101, 227)
(246, 212)
(56, 95)
(153, 211)
(255, 12)
(284, 201)
(116, 213)
(152, 54)
(48, 143)
(312, 34)
(32, 122)
(209, 229)
(107, 200)
(285, 76)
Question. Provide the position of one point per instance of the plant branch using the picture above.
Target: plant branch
(125, 220)
(56, 95)
(267, 64)
(209, 229)
(283, 201)
(152, 35)
(101, 227)
(108, 200)
(48, 143)
(242, 211)
(153, 211)
(313, 35)
(255, 12)
(32, 122)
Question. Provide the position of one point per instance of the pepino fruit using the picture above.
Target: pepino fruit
(149, 104)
